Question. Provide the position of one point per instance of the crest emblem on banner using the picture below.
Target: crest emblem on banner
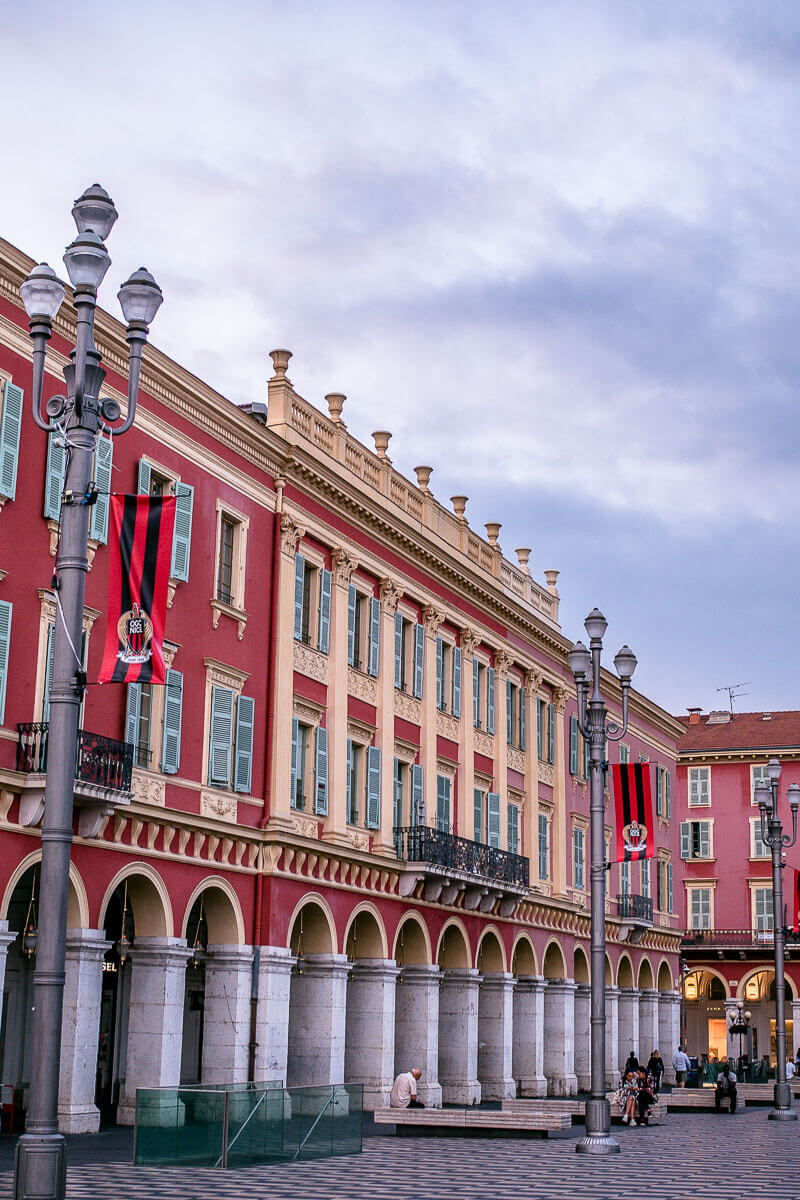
(635, 836)
(135, 632)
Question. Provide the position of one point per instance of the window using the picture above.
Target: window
(443, 785)
(477, 814)
(644, 876)
(493, 819)
(300, 743)
(101, 476)
(699, 908)
(227, 533)
(353, 762)
(155, 481)
(544, 846)
(11, 398)
(763, 913)
(580, 750)
(624, 753)
(758, 774)
(699, 786)
(545, 730)
(663, 792)
(312, 604)
(363, 631)
(409, 655)
(516, 733)
(757, 847)
(669, 888)
(400, 773)
(5, 647)
(48, 668)
(578, 858)
(663, 898)
(513, 828)
(363, 779)
(696, 839)
(417, 795)
(230, 744)
(448, 677)
(482, 695)
(625, 878)
(231, 559)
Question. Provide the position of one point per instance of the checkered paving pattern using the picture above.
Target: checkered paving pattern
(694, 1157)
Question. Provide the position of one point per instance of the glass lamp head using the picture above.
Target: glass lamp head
(763, 795)
(774, 769)
(625, 663)
(140, 297)
(793, 793)
(95, 210)
(580, 661)
(595, 624)
(87, 260)
(42, 293)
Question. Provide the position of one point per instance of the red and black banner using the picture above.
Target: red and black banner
(633, 800)
(140, 545)
(796, 905)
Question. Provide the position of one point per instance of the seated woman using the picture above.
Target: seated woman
(626, 1097)
(645, 1096)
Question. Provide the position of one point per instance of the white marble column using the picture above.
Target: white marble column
(648, 1024)
(495, 1024)
(155, 1019)
(6, 938)
(612, 1037)
(226, 1016)
(317, 1007)
(628, 1024)
(795, 1028)
(272, 1013)
(668, 1036)
(559, 1037)
(369, 1033)
(416, 1029)
(732, 1039)
(527, 1049)
(80, 1029)
(583, 1036)
(458, 1036)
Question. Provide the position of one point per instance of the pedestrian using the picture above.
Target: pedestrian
(726, 1086)
(655, 1067)
(404, 1090)
(680, 1061)
(632, 1064)
(645, 1096)
(626, 1096)
(790, 1068)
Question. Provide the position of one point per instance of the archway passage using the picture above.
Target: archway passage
(453, 949)
(317, 1000)
(15, 1030)
(527, 1049)
(523, 960)
(553, 966)
(416, 1019)
(495, 1021)
(458, 1019)
(411, 947)
(583, 1013)
(559, 1024)
(370, 1020)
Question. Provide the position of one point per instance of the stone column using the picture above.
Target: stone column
(795, 1027)
(732, 1039)
(317, 1006)
(80, 1029)
(502, 662)
(667, 1039)
(6, 938)
(458, 1036)
(495, 1026)
(383, 841)
(432, 619)
(559, 1037)
(272, 1013)
(280, 768)
(612, 1037)
(628, 1024)
(226, 1016)
(559, 833)
(648, 1024)
(416, 1029)
(583, 1039)
(335, 829)
(155, 1019)
(369, 1034)
(527, 1048)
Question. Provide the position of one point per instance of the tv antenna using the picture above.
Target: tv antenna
(733, 693)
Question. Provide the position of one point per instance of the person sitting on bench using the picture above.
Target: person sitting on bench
(404, 1090)
(726, 1086)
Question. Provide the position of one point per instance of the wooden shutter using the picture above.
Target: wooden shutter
(350, 799)
(439, 672)
(373, 787)
(668, 790)
(417, 795)
(644, 876)
(477, 814)
(523, 720)
(48, 671)
(220, 736)
(419, 659)
(397, 812)
(456, 681)
(573, 745)
(625, 878)
(5, 646)
(132, 715)
(490, 699)
(299, 587)
(144, 477)
(443, 803)
(539, 726)
(398, 650)
(476, 693)
(243, 744)
(321, 773)
(587, 758)
(103, 463)
(513, 829)
(10, 426)
(705, 839)
(352, 601)
(659, 801)
(324, 610)
(509, 713)
(182, 536)
(551, 747)
(686, 839)
(173, 716)
(54, 476)
(669, 887)
(293, 778)
(493, 818)
(374, 634)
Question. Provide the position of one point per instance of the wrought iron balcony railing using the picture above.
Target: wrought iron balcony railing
(100, 760)
(637, 908)
(727, 937)
(422, 844)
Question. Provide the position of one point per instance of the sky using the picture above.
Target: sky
(551, 245)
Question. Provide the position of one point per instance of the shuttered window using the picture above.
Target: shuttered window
(173, 716)
(352, 619)
(299, 587)
(578, 859)
(5, 648)
(373, 820)
(397, 795)
(398, 650)
(540, 728)
(669, 887)
(439, 672)
(243, 744)
(54, 476)
(48, 671)
(220, 736)
(695, 839)
(10, 427)
(699, 908)
(544, 846)
(295, 748)
(523, 720)
(644, 874)
(374, 635)
(419, 659)
(443, 803)
(417, 795)
(182, 536)
(490, 699)
(324, 639)
(476, 693)
(573, 745)
(352, 782)
(477, 814)
(513, 829)
(103, 465)
(551, 721)
(699, 786)
(321, 772)
(493, 819)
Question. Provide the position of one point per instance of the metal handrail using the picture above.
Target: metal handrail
(421, 843)
(631, 905)
(314, 1126)
(100, 760)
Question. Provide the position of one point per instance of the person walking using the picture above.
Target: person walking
(632, 1064)
(681, 1063)
(655, 1067)
(726, 1086)
(404, 1090)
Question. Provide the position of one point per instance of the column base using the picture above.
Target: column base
(532, 1085)
(79, 1118)
(374, 1095)
(562, 1085)
(498, 1089)
(430, 1094)
(782, 1114)
(461, 1093)
(597, 1143)
(40, 1167)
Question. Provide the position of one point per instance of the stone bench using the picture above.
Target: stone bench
(574, 1108)
(694, 1098)
(764, 1093)
(415, 1122)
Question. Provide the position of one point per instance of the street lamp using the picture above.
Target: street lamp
(740, 1023)
(592, 714)
(41, 1163)
(772, 835)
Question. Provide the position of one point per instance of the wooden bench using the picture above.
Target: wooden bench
(419, 1122)
(574, 1108)
(697, 1098)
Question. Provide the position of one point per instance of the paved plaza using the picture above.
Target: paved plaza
(744, 1157)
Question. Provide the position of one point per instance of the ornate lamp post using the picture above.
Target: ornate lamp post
(40, 1165)
(772, 835)
(593, 723)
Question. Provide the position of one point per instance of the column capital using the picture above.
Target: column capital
(432, 618)
(533, 679)
(160, 951)
(502, 662)
(343, 565)
(291, 533)
(375, 968)
(560, 697)
(276, 959)
(229, 956)
(86, 944)
(390, 595)
(470, 640)
(529, 983)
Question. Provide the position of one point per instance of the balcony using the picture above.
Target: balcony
(451, 866)
(102, 775)
(635, 908)
(735, 943)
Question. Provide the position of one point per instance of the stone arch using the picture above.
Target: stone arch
(412, 942)
(222, 911)
(77, 899)
(365, 935)
(312, 929)
(609, 975)
(453, 948)
(490, 955)
(553, 963)
(766, 980)
(148, 897)
(580, 969)
(702, 976)
(645, 976)
(665, 981)
(625, 972)
(523, 957)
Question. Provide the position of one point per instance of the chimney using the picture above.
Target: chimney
(694, 716)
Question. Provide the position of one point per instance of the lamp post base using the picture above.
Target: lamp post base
(783, 1110)
(40, 1167)
(597, 1139)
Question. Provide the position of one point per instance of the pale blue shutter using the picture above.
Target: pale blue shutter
(398, 650)
(686, 839)
(552, 742)
(321, 773)
(523, 720)
(625, 878)
(299, 587)
(182, 536)
(54, 476)
(5, 646)
(373, 787)
(48, 672)
(539, 727)
(397, 814)
(493, 818)
(374, 634)
(573, 745)
(668, 795)
(324, 611)
(103, 463)
(705, 839)
(456, 681)
(143, 481)
(293, 778)
(352, 600)
(220, 736)
(490, 699)
(477, 814)
(587, 758)
(417, 795)
(513, 829)
(132, 714)
(659, 791)
(439, 672)
(476, 693)
(243, 744)
(669, 887)
(419, 659)
(349, 797)
(10, 426)
(442, 803)
(509, 713)
(173, 716)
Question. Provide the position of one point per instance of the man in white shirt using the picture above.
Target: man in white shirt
(681, 1063)
(790, 1069)
(404, 1090)
(726, 1086)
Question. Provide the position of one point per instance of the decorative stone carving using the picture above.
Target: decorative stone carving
(390, 595)
(408, 707)
(444, 767)
(364, 687)
(560, 696)
(484, 742)
(225, 675)
(432, 618)
(308, 713)
(291, 533)
(533, 680)
(219, 805)
(470, 641)
(447, 726)
(405, 752)
(360, 731)
(170, 650)
(310, 662)
(305, 826)
(148, 789)
(516, 760)
(359, 841)
(502, 662)
(546, 774)
(343, 565)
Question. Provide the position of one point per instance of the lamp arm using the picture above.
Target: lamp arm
(765, 837)
(40, 332)
(615, 730)
(583, 712)
(137, 336)
(790, 841)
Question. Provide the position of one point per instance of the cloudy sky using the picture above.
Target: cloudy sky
(552, 245)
